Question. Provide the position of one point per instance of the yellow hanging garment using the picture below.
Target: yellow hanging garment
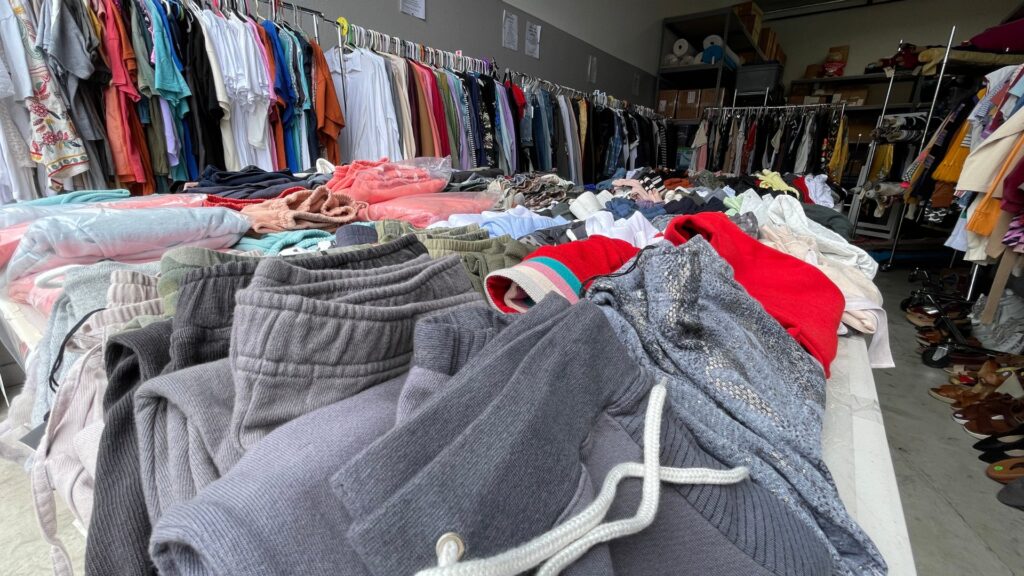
(882, 164)
(987, 214)
(840, 154)
(953, 162)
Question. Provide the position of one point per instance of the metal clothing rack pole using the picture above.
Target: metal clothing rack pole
(787, 106)
(364, 37)
(924, 141)
(872, 148)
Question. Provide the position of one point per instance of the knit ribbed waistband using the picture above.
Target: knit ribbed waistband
(206, 303)
(294, 352)
(281, 276)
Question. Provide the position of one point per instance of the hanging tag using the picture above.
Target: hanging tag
(343, 23)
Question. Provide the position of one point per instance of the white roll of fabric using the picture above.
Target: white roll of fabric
(682, 48)
(716, 40)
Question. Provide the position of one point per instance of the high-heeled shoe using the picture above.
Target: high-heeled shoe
(990, 377)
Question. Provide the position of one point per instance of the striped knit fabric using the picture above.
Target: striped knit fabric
(562, 270)
(529, 282)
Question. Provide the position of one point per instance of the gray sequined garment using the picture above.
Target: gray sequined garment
(743, 386)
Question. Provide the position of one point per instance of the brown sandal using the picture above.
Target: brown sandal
(1006, 471)
(995, 404)
(996, 422)
(990, 378)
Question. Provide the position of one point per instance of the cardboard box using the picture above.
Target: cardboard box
(902, 92)
(852, 96)
(688, 105)
(812, 71)
(753, 25)
(667, 103)
(768, 42)
(708, 100)
(744, 8)
(780, 56)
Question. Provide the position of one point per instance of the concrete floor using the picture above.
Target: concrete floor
(956, 525)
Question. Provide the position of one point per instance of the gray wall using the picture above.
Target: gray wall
(474, 26)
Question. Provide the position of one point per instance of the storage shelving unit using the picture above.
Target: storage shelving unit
(695, 28)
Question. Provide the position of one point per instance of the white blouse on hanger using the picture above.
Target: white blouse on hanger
(371, 132)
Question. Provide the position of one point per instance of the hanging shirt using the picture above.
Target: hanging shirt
(15, 178)
(117, 97)
(258, 109)
(285, 92)
(429, 139)
(334, 64)
(372, 129)
(211, 36)
(329, 118)
(54, 140)
(400, 93)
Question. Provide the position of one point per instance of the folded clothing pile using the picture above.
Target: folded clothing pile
(89, 235)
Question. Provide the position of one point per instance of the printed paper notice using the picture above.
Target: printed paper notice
(533, 39)
(417, 8)
(509, 30)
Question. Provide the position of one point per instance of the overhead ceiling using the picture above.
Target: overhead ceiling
(780, 9)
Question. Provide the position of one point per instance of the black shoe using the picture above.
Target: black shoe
(993, 456)
(1002, 441)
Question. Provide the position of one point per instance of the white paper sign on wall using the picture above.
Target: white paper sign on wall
(509, 30)
(532, 39)
(417, 8)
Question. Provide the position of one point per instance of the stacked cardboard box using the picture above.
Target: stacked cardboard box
(769, 43)
(688, 104)
(667, 103)
(751, 15)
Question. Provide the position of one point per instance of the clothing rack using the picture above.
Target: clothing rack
(360, 37)
(719, 153)
(924, 142)
(854, 214)
(716, 109)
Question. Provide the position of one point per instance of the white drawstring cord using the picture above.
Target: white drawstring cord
(570, 540)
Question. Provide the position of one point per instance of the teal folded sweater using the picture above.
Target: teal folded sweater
(273, 243)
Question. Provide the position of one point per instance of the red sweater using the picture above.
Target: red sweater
(795, 293)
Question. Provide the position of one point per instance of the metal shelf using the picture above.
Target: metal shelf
(668, 70)
(906, 106)
(696, 27)
(878, 77)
